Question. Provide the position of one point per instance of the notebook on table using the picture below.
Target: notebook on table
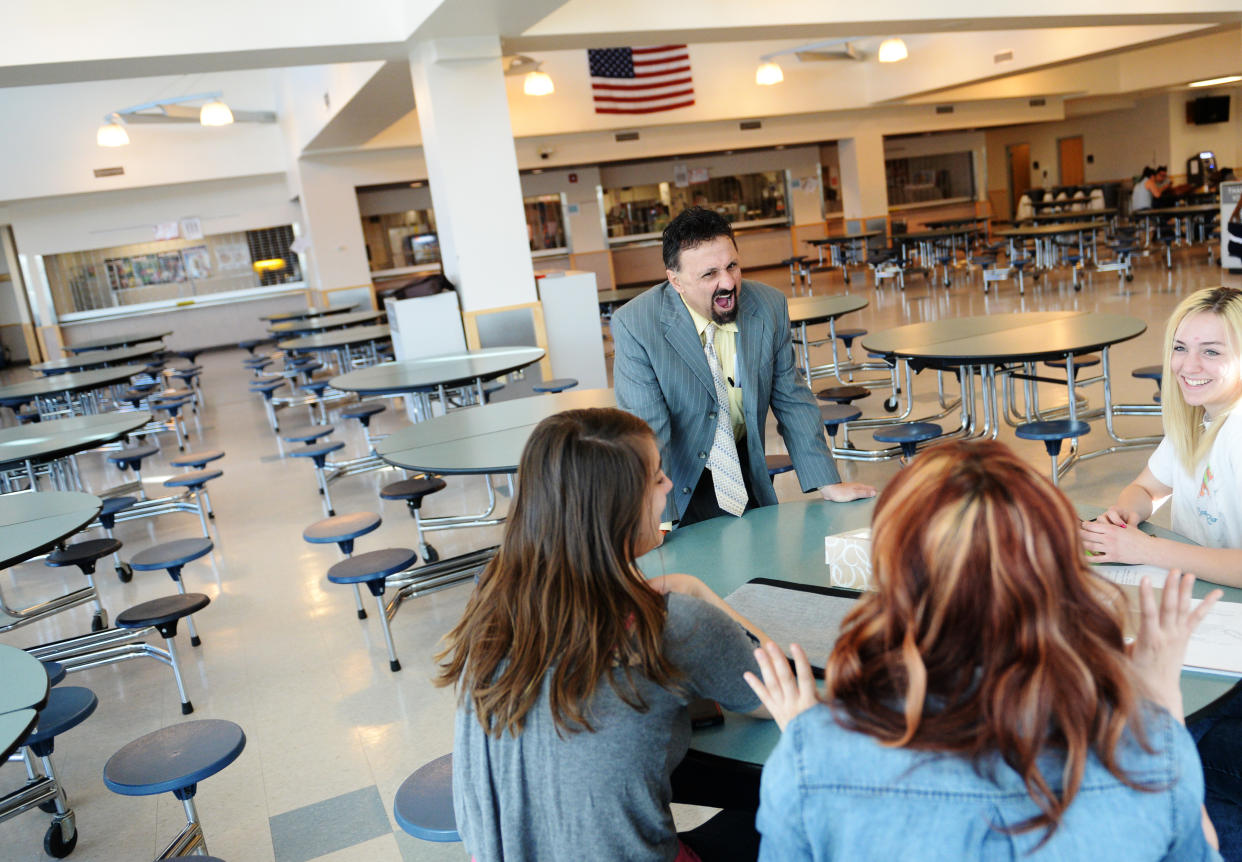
(807, 615)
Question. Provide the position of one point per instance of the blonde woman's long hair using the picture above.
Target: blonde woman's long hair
(1183, 423)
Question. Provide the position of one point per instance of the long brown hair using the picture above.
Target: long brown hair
(562, 598)
(987, 633)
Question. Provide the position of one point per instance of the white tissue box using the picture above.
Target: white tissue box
(848, 556)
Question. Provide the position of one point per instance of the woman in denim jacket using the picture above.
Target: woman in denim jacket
(981, 703)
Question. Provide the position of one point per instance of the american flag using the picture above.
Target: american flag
(640, 80)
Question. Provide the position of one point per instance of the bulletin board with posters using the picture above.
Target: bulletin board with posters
(1231, 227)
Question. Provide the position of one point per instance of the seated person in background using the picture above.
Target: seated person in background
(701, 358)
(1141, 196)
(982, 704)
(573, 672)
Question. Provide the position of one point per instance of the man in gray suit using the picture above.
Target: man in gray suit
(701, 358)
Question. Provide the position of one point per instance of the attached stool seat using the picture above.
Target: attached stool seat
(249, 344)
(833, 415)
(363, 411)
(842, 394)
(909, 435)
(778, 464)
(56, 672)
(84, 555)
(490, 388)
(113, 506)
(188, 355)
(174, 759)
(162, 615)
(307, 433)
(423, 806)
(195, 482)
(1052, 433)
(67, 707)
(372, 568)
(412, 491)
(342, 530)
(318, 453)
(197, 460)
(559, 384)
(267, 388)
(172, 556)
(847, 337)
(1151, 372)
(1080, 362)
(131, 458)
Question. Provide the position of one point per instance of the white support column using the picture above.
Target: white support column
(864, 186)
(337, 271)
(463, 112)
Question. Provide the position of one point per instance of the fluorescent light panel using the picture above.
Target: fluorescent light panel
(1212, 82)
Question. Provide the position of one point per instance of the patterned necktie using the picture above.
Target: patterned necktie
(731, 493)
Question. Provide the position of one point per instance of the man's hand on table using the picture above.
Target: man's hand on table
(843, 492)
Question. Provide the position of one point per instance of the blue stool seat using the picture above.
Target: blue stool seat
(342, 529)
(174, 758)
(833, 415)
(1079, 362)
(490, 388)
(196, 459)
(307, 433)
(171, 554)
(112, 506)
(132, 457)
(842, 394)
(1149, 372)
(559, 384)
(162, 613)
(908, 435)
(67, 707)
(363, 411)
(1019, 262)
(778, 464)
(250, 344)
(267, 387)
(1052, 432)
(318, 452)
(189, 354)
(56, 672)
(423, 805)
(1073, 258)
(848, 336)
(372, 566)
(83, 554)
(316, 386)
(193, 479)
(413, 490)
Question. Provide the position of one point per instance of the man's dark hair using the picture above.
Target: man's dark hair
(692, 228)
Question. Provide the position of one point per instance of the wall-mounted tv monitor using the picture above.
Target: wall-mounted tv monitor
(1206, 110)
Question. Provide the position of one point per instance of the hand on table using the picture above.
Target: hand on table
(1164, 631)
(1111, 538)
(784, 696)
(843, 492)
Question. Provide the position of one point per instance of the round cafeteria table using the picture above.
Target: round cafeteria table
(481, 440)
(787, 542)
(105, 342)
(56, 438)
(341, 340)
(30, 523)
(322, 322)
(98, 358)
(23, 693)
(1045, 256)
(805, 310)
(63, 384)
(309, 312)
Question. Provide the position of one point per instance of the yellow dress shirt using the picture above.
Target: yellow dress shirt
(726, 353)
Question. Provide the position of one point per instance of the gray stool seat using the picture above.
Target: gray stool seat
(778, 464)
(67, 707)
(342, 529)
(842, 394)
(193, 479)
(174, 759)
(132, 457)
(362, 411)
(162, 613)
(197, 459)
(413, 490)
(833, 415)
(171, 555)
(306, 433)
(423, 806)
(909, 435)
(559, 384)
(372, 567)
(83, 554)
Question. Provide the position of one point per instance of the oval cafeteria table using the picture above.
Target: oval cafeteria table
(98, 359)
(322, 322)
(786, 542)
(23, 693)
(61, 384)
(340, 340)
(106, 341)
(32, 522)
(805, 310)
(55, 438)
(1043, 235)
(309, 312)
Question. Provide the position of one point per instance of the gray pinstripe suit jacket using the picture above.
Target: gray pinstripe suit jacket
(660, 374)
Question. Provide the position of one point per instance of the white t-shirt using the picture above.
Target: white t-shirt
(1140, 197)
(1207, 504)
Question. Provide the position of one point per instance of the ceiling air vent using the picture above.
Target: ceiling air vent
(627, 136)
(1037, 103)
(747, 125)
(944, 109)
(1002, 57)
(109, 172)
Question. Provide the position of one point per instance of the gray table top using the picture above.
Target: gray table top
(1052, 229)
(96, 358)
(54, 438)
(817, 309)
(309, 312)
(955, 222)
(1196, 209)
(1016, 336)
(13, 728)
(106, 341)
(1040, 218)
(451, 369)
(25, 689)
(830, 240)
(322, 322)
(486, 439)
(76, 381)
(33, 522)
(787, 542)
(341, 338)
(939, 233)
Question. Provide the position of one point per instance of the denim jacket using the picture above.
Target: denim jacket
(832, 793)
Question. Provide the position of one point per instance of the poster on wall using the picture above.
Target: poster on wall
(1231, 226)
(232, 257)
(197, 262)
(120, 273)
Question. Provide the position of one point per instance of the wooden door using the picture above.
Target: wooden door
(1069, 152)
(1019, 173)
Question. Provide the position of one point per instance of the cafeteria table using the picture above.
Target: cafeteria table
(1074, 215)
(24, 692)
(343, 342)
(32, 522)
(844, 250)
(105, 342)
(806, 310)
(27, 445)
(324, 322)
(930, 244)
(1183, 220)
(786, 542)
(1043, 236)
(45, 389)
(279, 316)
(99, 358)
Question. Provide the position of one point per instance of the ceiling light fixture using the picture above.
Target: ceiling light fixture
(1212, 82)
(111, 133)
(538, 84)
(769, 73)
(215, 113)
(892, 51)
